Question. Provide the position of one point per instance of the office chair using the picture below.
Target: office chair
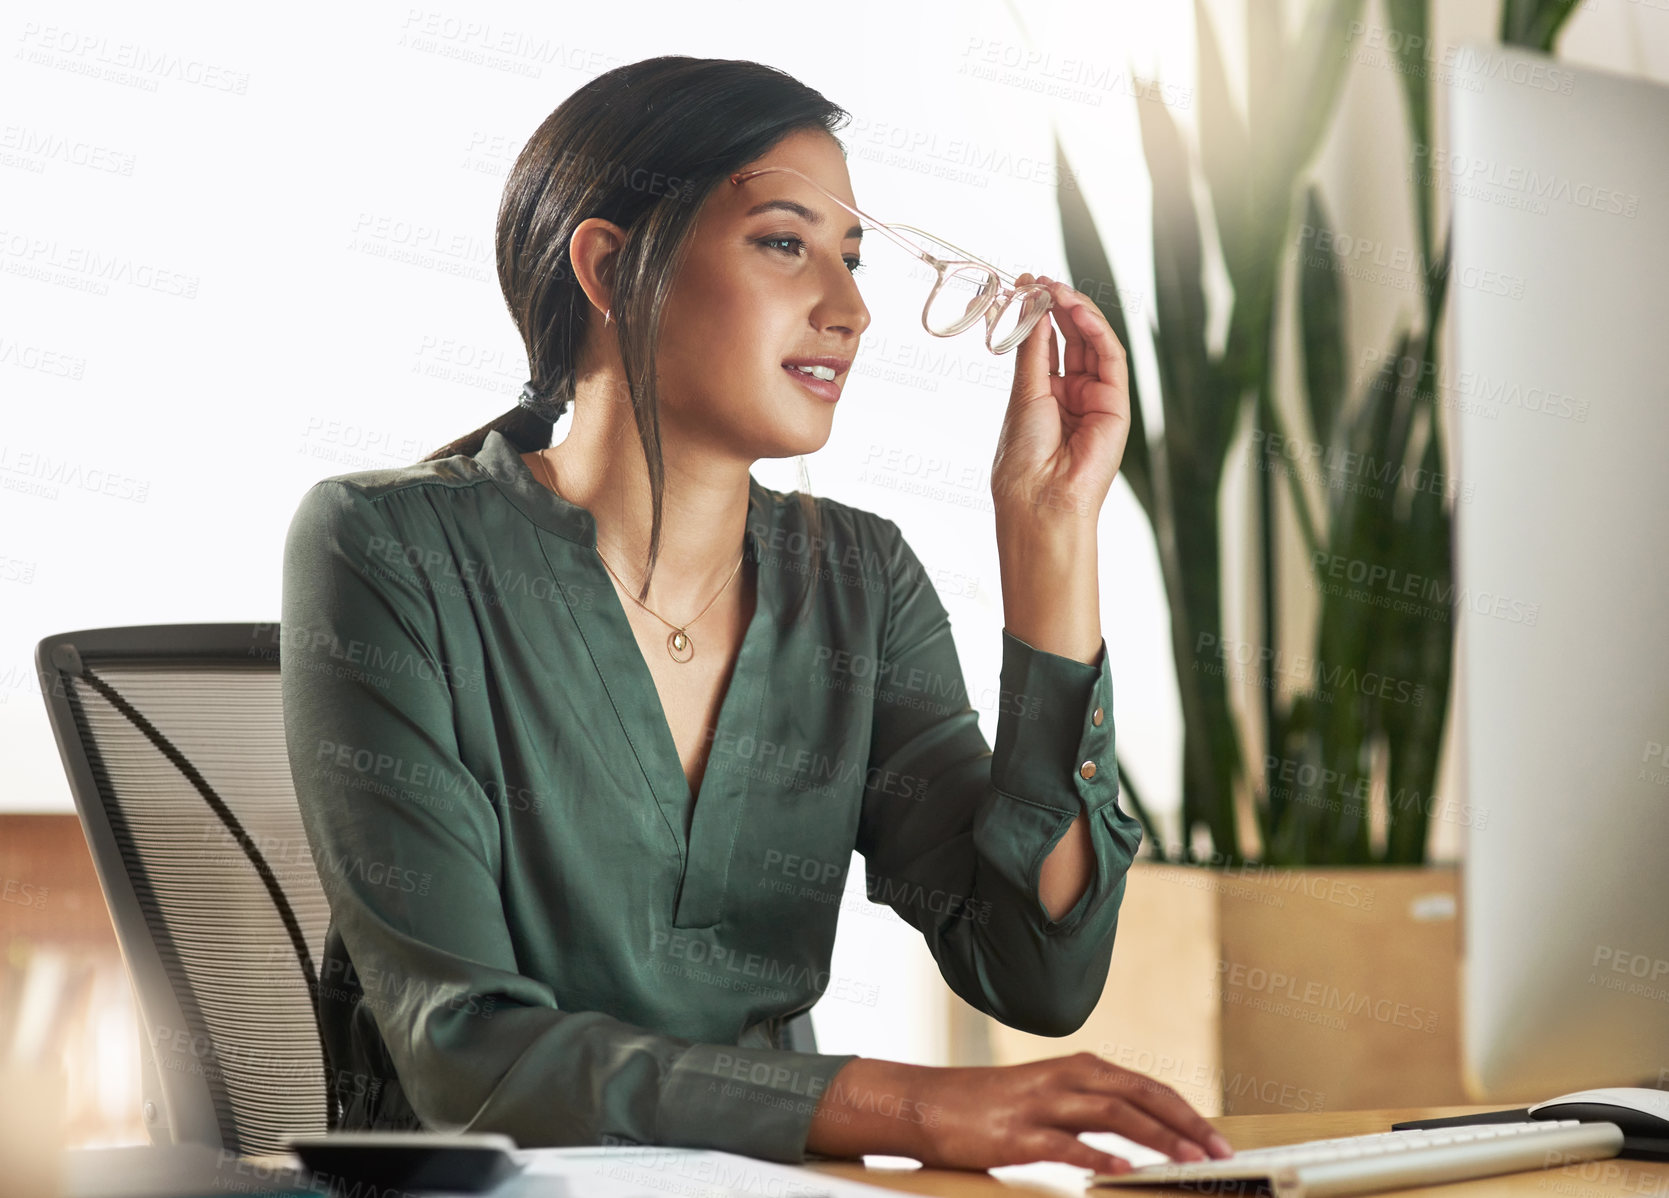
(173, 740)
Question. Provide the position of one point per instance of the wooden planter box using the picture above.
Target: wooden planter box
(1272, 990)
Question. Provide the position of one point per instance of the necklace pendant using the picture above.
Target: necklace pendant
(679, 646)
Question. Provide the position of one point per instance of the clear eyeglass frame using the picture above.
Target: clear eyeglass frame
(990, 299)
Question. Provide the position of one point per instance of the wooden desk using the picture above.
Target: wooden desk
(1592, 1179)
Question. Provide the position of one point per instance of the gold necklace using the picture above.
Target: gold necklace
(678, 640)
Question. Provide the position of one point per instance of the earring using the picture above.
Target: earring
(606, 312)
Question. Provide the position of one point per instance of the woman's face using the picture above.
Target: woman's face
(763, 284)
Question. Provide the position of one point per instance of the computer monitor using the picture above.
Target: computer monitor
(1557, 395)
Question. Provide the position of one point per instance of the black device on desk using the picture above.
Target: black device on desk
(407, 1161)
(1642, 1113)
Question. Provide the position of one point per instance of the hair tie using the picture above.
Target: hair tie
(541, 407)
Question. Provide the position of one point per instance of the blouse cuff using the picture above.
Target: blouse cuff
(751, 1101)
(1054, 744)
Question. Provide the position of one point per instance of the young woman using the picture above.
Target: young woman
(584, 734)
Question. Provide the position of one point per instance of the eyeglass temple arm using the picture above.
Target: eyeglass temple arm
(873, 223)
(740, 176)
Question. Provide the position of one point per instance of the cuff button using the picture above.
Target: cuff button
(1087, 770)
(1096, 718)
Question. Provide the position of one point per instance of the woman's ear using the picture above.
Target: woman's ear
(594, 251)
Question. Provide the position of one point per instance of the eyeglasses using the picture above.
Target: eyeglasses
(966, 287)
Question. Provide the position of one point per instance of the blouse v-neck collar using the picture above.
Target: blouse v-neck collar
(715, 820)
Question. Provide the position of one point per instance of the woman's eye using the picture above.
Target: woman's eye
(852, 264)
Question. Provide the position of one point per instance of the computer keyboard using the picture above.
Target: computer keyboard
(1385, 1160)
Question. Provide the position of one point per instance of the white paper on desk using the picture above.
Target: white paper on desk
(1072, 1179)
(650, 1171)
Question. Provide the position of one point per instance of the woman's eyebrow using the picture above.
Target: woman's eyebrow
(800, 210)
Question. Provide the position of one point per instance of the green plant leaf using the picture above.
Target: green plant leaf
(1223, 149)
(1409, 21)
(1133, 799)
(1534, 24)
(1179, 302)
(1093, 275)
(1310, 87)
(1418, 654)
(1321, 317)
(1333, 826)
(1188, 479)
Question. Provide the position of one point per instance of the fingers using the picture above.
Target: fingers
(1036, 354)
(1158, 1101)
(1062, 312)
(1168, 1107)
(1061, 1146)
(1104, 1112)
(1091, 345)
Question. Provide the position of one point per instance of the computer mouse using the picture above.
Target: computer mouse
(1636, 1109)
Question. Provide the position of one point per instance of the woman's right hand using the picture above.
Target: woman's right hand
(981, 1118)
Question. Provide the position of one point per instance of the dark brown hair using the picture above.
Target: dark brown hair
(642, 145)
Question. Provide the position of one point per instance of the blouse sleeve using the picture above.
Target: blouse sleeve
(476, 1045)
(954, 835)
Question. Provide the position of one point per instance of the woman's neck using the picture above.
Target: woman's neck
(703, 515)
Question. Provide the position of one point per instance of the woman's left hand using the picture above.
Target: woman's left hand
(1064, 434)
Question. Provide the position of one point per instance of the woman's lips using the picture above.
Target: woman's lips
(822, 388)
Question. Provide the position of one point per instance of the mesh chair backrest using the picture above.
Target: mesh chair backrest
(174, 740)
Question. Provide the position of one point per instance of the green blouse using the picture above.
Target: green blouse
(535, 928)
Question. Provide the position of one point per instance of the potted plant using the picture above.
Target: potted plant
(1292, 948)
